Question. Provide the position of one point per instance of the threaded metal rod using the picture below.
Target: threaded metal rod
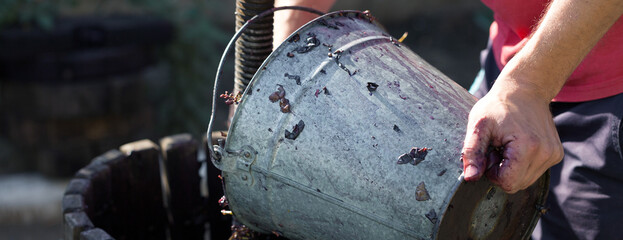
(255, 43)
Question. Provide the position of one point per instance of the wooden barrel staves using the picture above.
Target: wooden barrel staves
(120, 194)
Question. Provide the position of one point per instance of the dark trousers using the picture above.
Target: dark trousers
(586, 191)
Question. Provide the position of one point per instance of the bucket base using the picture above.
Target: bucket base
(480, 210)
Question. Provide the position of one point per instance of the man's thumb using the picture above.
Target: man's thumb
(474, 150)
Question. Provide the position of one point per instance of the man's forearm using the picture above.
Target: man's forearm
(288, 21)
(565, 35)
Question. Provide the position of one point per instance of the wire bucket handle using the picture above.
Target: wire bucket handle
(216, 150)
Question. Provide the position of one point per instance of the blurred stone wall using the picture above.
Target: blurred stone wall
(56, 129)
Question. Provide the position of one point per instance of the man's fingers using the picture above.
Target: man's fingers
(475, 149)
(511, 173)
(503, 176)
(494, 158)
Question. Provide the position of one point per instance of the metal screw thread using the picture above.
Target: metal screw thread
(255, 43)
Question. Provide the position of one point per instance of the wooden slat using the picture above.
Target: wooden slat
(74, 223)
(180, 161)
(95, 234)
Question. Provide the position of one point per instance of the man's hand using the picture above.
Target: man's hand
(512, 139)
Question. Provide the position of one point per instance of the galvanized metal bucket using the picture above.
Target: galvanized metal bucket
(344, 133)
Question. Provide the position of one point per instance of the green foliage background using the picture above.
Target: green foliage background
(192, 56)
(31, 13)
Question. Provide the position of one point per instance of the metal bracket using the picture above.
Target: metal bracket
(238, 161)
(245, 159)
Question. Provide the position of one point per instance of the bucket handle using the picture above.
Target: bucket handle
(216, 150)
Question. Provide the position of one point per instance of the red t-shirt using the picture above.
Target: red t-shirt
(599, 75)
